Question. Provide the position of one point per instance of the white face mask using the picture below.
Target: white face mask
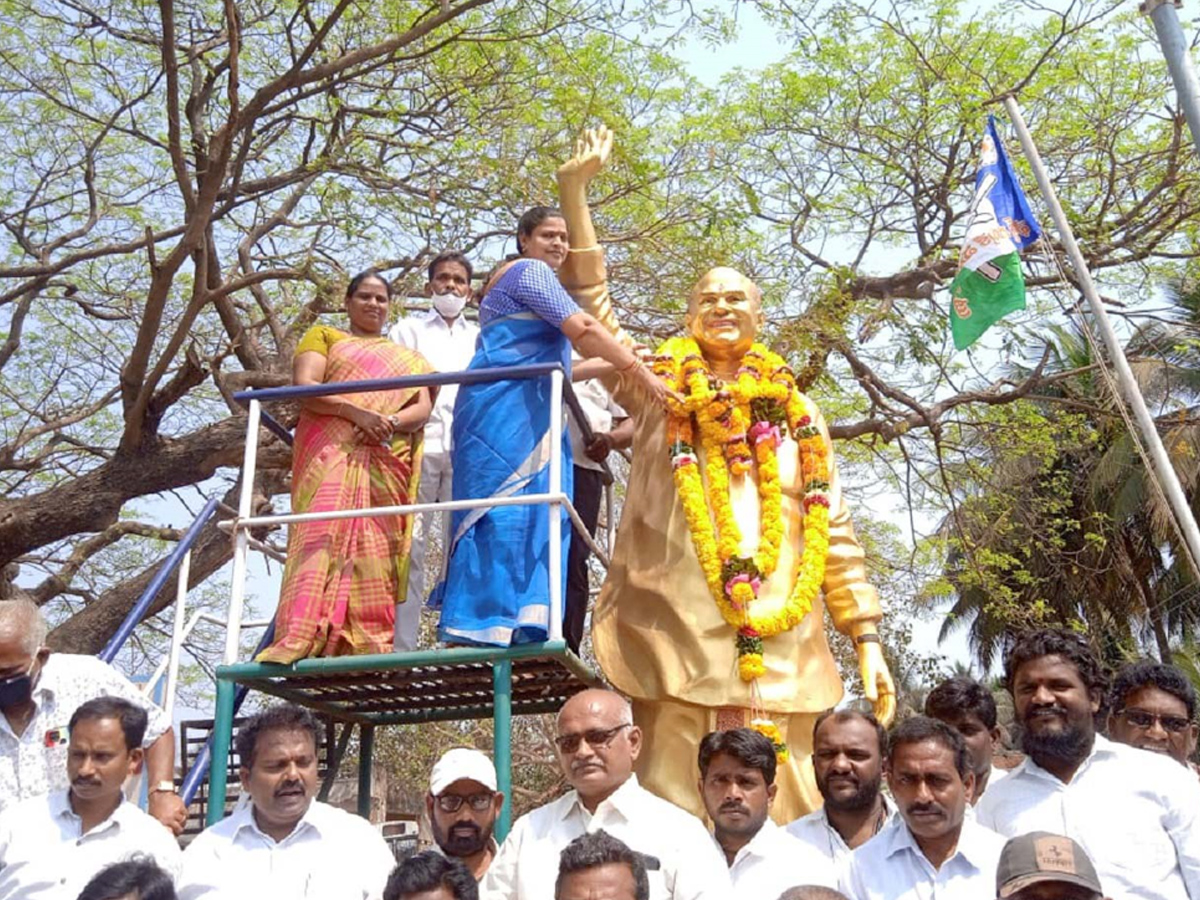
(449, 304)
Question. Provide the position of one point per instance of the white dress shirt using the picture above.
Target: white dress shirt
(44, 854)
(774, 861)
(690, 866)
(816, 831)
(35, 763)
(448, 348)
(891, 866)
(600, 410)
(331, 855)
(1136, 813)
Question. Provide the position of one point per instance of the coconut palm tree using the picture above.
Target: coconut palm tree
(1066, 527)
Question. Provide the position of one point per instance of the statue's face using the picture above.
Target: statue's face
(724, 313)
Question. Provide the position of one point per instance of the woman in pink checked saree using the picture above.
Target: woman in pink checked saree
(344, 577)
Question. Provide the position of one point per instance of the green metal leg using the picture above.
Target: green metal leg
(502, 752)
(366, 752)
(222, 737)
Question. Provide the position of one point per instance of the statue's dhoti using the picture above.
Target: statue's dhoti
(671, 734)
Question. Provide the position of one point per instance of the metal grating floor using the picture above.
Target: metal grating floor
(423, 691)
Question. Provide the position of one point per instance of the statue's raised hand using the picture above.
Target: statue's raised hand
(591, 153)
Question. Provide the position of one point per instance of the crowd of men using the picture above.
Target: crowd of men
(919, 813)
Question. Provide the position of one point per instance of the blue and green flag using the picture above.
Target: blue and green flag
(989, 284)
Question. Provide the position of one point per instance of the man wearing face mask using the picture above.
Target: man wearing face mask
(445, 338)
(40, 691)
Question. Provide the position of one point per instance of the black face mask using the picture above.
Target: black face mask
(16, 691)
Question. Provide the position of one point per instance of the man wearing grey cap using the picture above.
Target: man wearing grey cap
(463, 804)
(1044, 866)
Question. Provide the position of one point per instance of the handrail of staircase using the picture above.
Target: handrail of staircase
(203, 762)
(165, 571)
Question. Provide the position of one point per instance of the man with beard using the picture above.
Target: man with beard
(462, 805)
(848, 754)
(737, 785)
(51, 846)
(934, 850)
(969, 708)
(597, 744)
(283, 843)
(1154, 708)
(1134, 813)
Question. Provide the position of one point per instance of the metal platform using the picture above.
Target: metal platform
(424, 686)
(448, 684)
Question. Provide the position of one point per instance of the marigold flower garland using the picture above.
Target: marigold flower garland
(740, 424)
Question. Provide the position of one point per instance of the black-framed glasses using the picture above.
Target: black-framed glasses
(1144, 721)
(596, 737)
(452, 803)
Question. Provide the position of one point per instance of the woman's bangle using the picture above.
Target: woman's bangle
(636, 362)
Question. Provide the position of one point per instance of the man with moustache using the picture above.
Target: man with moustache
(51, 846)
(934, 850)
(283, 843)
(446, 338)
(597, 745)
(1136, 814)
(848, 757)
(462, 805)
(1153, 707)
(737, 785)
(40, 690)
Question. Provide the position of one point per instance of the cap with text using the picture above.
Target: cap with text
(1041, 857)
(459, 764)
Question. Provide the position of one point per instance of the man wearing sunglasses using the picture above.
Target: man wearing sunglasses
(463, 804)
(1153, 707)
(597, 743)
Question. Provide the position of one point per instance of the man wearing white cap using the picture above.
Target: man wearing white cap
(462, 804)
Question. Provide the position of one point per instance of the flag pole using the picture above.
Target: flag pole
(1158, 453)
(1179, 61)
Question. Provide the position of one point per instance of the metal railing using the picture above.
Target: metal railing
(180, 557)
(556, 501)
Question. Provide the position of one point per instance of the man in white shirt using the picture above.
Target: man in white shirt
(1137, 814)
(51, 846)
(1154, 708)
(597, 865)
(40, 691)
(737, 784)
(462, 805)
(934, 849)
(849, 748)
(597, 745)
(970, 709)
(612, 429)
(283, 843)
(445, 338)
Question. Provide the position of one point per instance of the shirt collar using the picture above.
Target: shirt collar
(243, 819)
(624, 800)
(1101, 747)
(435, 317)
(973, 851)
(60, 808)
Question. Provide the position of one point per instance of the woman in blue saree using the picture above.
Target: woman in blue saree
(497, 584)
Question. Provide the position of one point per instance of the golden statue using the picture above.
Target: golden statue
(713, 618)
